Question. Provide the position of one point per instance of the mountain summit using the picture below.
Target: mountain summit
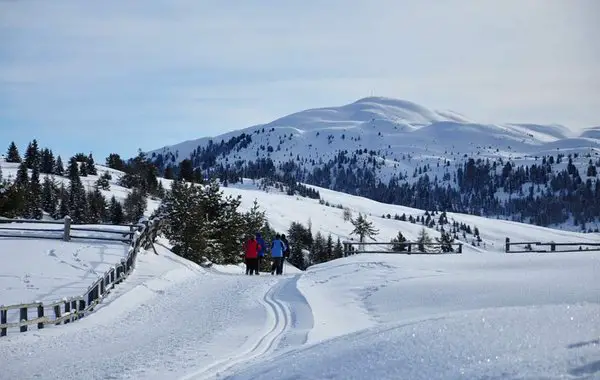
(390, 127)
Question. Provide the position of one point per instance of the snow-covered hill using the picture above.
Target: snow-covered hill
(489, 314)
(325, 215)
(399, 152)
(395, 130)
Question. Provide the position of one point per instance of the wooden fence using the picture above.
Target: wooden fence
(66, 232)
(71, 309)
(403, 248)
(536, 246)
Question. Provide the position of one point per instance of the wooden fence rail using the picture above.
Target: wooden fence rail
(528, 246)
(66, 232)
(405, 248)
(74, 308)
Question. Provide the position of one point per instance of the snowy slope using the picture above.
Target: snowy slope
(69, 275)
(405, 134)
(282, 210)
(363, 317)
(483, 314)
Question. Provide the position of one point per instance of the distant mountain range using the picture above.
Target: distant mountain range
(379, 142)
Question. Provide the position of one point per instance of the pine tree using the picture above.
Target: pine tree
(12, 155)
(34, 195)
(90, 165)
(98, 212)
(78, 206)
(300, 239)
(64, 203)
(318, 251)
(398, 243)
(255, 220)
(186, 171)
(338, 250)
(19, 191)
(135, 205)
(58, 167)
(12, 200)
(423, 239)
(445, 241)
(32, 154)
(47, 161)
(329, 248)
(49, 196)
(169, 174)
(160, 191)
(73, 169)
(114, 161)
(202, 222)
(363, 228)
(103, 182)
(116, 211)
(83, 170)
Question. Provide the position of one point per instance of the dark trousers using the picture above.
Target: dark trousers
(251, 266)
(277, 266)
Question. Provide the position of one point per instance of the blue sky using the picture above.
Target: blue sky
(114, 76)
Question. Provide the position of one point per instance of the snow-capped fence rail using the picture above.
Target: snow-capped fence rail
(528, 246)
(15, 228)
(405, 247)
(71, 309)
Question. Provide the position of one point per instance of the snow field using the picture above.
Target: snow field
(420, 317)
(483, 314)
(365, 316)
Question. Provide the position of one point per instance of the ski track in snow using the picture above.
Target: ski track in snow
(278, 323)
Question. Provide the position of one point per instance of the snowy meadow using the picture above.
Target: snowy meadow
(482, 314)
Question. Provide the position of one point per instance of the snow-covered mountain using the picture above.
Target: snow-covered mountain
(393, 129)
(399, 152)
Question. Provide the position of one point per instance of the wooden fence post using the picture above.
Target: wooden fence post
(40, 315)
(57, 313)
(81, 308)
(23, 317)
(74, 309)
(67, 310)
(103, 286)
(67, 230)
(507, 247)
(3, 322)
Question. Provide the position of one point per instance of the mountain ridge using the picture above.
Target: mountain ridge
(387, 113)
(399, 152)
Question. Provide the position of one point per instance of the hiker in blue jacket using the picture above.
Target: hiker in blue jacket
(263, 246)
(277, 249)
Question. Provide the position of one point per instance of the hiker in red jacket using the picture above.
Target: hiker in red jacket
(251, 249)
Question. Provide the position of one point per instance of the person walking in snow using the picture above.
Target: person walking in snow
(251, 249)
(261, 252)
(277, 249)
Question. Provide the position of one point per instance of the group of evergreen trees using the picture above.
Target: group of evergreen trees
(203, 224)
(538, 193)
(308, 249)
(29, 196)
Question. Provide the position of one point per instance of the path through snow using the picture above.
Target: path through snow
(366, 316)
(184, 322)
